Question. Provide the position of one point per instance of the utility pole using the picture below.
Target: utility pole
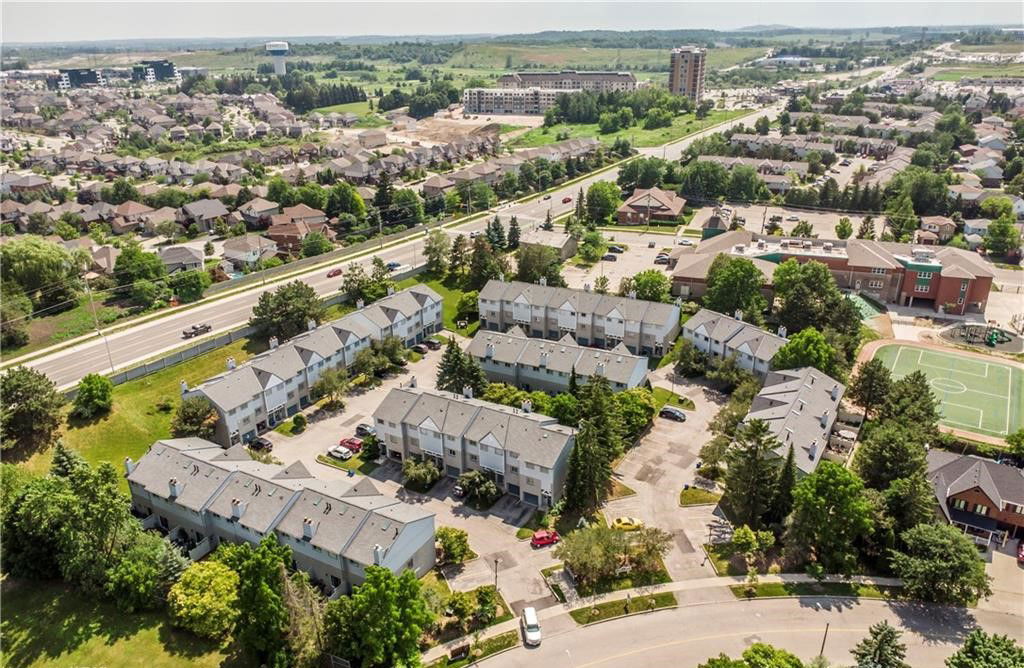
(96, 322)
(823, 639)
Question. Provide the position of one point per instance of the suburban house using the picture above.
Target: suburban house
(255, 397)
(564, 244)
(373, 138)
(720, 336)
(181, 258)
(301, 213)
(942, 227)
(203, 213)
(602, 321)
(980, 496)
(525, 454)
(538, 364)
(647, 204)
(289, 235)
(436, 186)
(247, 250)
(203, 495)
(132, 215)
(799, 406)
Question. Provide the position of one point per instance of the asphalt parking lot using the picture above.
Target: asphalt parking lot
(757, 218)
(637, 257)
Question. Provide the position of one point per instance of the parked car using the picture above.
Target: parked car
(661, 259)
(616, 249)
(544, 537)
(475, 233)
(352, 443)
(627, 524)
(566, 200)
(531, 627)
(458, 492)
(420, 348)
(685, 242)
(833, 171)
(340, 452)
(393, 265)
(432, 344)
(334, 272)
(845, 163)
(793, 219)
(365, 430)
(261, 444)
(672, 413)
(610, 257)
(196, 330)
(548, 196)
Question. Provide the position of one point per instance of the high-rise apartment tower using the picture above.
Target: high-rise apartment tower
(686, 75)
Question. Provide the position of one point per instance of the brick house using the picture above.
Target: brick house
(980, 496)
(650, 204)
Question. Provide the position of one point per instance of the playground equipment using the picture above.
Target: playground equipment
(987, 334)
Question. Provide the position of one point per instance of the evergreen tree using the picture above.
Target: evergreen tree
(751, 476)
(384, 197)
(513, 234)
(449, 369)
(496, 234)
(870, 385)
(460, 249)
(65, 461)
(473, 376)
(881, 648)
(866, 229)
(911, 401)
(589, 471)
(782, 501)
(598, 404)
(574, 388)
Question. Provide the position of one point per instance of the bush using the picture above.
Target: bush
(299, 422)
(420, 475)
(479, 488)
(95, 396)
(204, 601)
(454, 544)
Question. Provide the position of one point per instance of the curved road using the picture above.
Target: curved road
(146, 340)
(690, 634)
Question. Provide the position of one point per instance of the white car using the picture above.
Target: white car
(531, 627)
(340, 452)
(793, 219)
(685, 242)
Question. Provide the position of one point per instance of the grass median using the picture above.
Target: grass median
(621, 608)
(853, 589)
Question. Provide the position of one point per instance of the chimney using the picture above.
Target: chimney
(586, 287)
(489, 351)
(378, 555)
(360, 303)
(501, 277)
(812, 452)
(467, 391)
(738, 314)
(273, 342)
(231, 364)
(129, 466)
(174, 487)
(237, 508)
(782, 332)
(412, 382)
(543, 280)
(391, 289)
(311, 324)
(599, 369)
(835, 392)
(308, 528)
(824, 419)
(544, 359)
(184, 386)
(632, 294)
(527, 406)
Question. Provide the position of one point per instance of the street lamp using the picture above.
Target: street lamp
(496, 562)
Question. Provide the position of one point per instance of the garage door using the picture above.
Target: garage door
(532, 499)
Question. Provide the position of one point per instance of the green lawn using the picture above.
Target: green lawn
(612, 609)
(482, 649)
(52, 624)
(815, 589)
(1002, 47)
(663, 397)
(450, 293)
(625, 581)
(135, 420)
(359, 108)
(682, 126)
(620, 491)
(720, 555)
(356, 463)
(47, 330)
(696, 496)
(955, 74)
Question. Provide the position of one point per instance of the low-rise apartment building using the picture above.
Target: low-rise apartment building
(202, 494)
(601, 321)
(525, 454)
(537, 364)
(570, 80)
(254, 397)
(720, 336)
(529, 101)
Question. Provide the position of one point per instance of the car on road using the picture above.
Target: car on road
(261, 444)
(420, 348)
(775, 219)
(196, 330)
(672, 413)
(475, 233)
(548, 196)
(365, 430)
(393, 265)
(544, 537)
(793, 219)
(340, 452)
(352, 443)
(531, 627)
(334, 272)
(616, 249)
(610, 257)
(432, 344)
(685, 242)
(627, 524)
(566, 200)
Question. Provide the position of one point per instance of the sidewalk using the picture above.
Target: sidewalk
(722, 583)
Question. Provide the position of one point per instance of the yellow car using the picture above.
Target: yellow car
(627, 524)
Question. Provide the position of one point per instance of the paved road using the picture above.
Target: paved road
(149, 339)
(690, 634)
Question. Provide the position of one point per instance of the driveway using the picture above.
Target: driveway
(1007, 581)
(657, 469)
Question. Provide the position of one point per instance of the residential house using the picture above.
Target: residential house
(249, 249)
(301, 213)
(942, 227)
(373, 138)
(720, 336)
(203, 213)
(647, 204)
(181, 258)
(131, 214)
(257, 211)
(289, 235)
(436, 186)
(982, 497)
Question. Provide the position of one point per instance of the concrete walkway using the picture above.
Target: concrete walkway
(718, 584)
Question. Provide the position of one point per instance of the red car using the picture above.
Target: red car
(334, 272)
(566, 200)
(544, 537)
(352, 443)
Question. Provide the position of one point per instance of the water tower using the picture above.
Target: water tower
(277, 51)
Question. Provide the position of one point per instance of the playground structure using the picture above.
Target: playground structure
(989, 335)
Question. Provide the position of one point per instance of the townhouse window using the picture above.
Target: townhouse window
(473, 458)
(513, 469)
(379, 421)
(875, 285)
(530, 466)
(452, 452)
(959, 504)
(472, 442)
(980, 509)
(924, 276)
(1011, 508)
(232, 411)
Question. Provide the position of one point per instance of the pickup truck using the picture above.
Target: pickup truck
(196, 330)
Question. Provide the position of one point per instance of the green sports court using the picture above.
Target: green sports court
(980, 396)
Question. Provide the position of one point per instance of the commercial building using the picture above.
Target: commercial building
(79, 78)
(564, 244)
(202, 494)
(601, 321)
(537, 364)
(647, 204)
(953, 280)
(570, 80)
(152, 71)
(720, 336)
(800, 407)
(525, 454)
(254, 397)
(982, 497)
(522, 101)
(686, 72)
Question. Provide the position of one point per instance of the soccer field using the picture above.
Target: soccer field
(974, 395)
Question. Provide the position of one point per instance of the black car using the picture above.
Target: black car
(432, 344)
(672, 413)
(610, 257)
(420, 348)
(196, 330)
(616, 249)
(262, 445)
(364, 430)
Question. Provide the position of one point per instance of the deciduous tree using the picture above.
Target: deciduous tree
(30, 412)
(941, 564)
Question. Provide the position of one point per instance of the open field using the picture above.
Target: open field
(1002, 47)
(955, 74)
(974, 395)
(852, 36)
(349, 107)
(45, 330)
(681, 126)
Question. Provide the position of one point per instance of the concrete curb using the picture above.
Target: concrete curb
(628, 614)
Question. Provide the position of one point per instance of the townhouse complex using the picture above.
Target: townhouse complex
(537, 364)
(268, 389)
(202, 494)
(686, 72)
(525, 454)
(601, 321)
(720, 336)
(946, 278)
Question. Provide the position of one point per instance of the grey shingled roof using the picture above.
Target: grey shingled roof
(580, 300)
(952, 474)
(735, 333)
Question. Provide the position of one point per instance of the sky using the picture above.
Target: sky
(83, 20)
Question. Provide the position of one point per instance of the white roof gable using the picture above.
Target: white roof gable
(429, 424)
(489, 440)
